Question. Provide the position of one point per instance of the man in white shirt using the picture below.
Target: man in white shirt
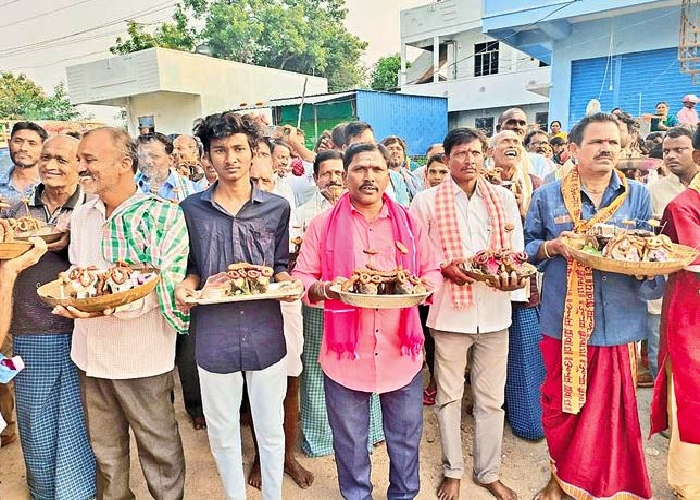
(126, 356)
(678, 158)
(466, 214)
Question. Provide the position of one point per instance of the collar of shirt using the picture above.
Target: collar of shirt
(137, 197)
(72, 202)
(614, 188)
(383, 212)
(257, 196)
(6, 176)
(461, 194)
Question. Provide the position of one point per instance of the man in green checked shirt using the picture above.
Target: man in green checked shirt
(126, 356)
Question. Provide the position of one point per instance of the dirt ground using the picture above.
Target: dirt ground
(524, 465)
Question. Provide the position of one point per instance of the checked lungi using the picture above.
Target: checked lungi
(525, 374)
(59, 460)
(317, 437)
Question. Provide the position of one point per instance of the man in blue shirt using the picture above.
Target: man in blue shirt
(590, 320)
(233, 222)
(156, 173)
(26, 140)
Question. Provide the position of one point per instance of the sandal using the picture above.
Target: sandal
(429, 396)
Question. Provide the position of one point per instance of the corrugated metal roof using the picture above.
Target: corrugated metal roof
(312, 99)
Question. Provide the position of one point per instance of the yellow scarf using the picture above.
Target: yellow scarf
(695, 183)
(579, 307)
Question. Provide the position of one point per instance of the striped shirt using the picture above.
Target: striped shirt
(140, 341)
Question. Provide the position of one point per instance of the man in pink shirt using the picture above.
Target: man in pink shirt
(369, 350)
(688, 115)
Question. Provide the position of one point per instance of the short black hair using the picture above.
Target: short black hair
(338, 134)
(680, 131)
(363, 147)
(329, 154)
(34, 127)
(696, 139)
(557, 141)
(353, 129)
(463, 135)
(657, 152)
(577, 132)
(267, 141)
(222, 125)
(157, 137)
(436, 158)
(280, 143)
(553, 122)
(533, 133)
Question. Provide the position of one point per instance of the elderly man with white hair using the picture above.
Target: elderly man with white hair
(525, 371)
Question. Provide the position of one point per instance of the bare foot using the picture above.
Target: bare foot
(500, 490)
(296, 471)
(550, 492)
(449, 489)
(254, 476)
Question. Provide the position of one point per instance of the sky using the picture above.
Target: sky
(36, 35)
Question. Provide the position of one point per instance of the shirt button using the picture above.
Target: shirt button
(241, 312)
(606, 303)
(376, 354)
(377, 330)
(604, 278)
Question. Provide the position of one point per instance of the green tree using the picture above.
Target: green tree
(385, 73)
(172, 35)
(22, 99)
(306, 36)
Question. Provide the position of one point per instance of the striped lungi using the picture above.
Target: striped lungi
(57, 454)
(525, 374)
(317, 437)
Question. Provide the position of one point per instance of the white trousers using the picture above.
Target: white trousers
(293, 335)
(221, 402)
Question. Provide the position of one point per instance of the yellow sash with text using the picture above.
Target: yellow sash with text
(695, 183)
(579, 306)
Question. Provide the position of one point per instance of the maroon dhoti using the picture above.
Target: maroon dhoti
(598, 452)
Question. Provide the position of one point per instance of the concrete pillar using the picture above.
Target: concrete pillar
(436, 58)
(402, 74)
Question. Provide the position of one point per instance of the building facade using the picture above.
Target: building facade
(171, 88)
(622, 52)
(480, 76)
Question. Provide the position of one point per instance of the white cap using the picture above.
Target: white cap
(691, 98)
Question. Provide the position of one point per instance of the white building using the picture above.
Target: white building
(480, 76)
(174, 88)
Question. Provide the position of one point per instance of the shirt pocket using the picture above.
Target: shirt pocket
(261, 242)
(561, 221)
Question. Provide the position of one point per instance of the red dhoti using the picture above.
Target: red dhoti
(596, 454)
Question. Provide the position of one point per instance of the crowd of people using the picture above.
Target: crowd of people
(556, 356)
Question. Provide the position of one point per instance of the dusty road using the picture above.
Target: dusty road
(524, 465)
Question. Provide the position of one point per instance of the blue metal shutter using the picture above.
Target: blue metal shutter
(639, 80)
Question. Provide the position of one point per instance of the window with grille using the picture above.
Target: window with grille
(485, 124)
(486, 59)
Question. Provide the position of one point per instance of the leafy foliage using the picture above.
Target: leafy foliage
(175, 35)
(22, 99)
(385, 73)
(306, 36)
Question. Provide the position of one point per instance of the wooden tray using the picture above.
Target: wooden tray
(48, 234)
(366, 301)
(50, 293)
(274, 291)
(527, 271)
(682, 256)
(14, 249)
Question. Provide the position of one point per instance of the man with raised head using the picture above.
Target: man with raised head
(467, 214)
(50, 415)
(515, 119)
(126, 356)
(231, 222)
(369, 350)
(590, 321)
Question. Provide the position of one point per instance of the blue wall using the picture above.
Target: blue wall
(619, 82)
(645, 32)
(420, 121)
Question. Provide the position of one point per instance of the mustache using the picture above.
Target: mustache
(334, 184)
(368, 184)
(603, 155)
